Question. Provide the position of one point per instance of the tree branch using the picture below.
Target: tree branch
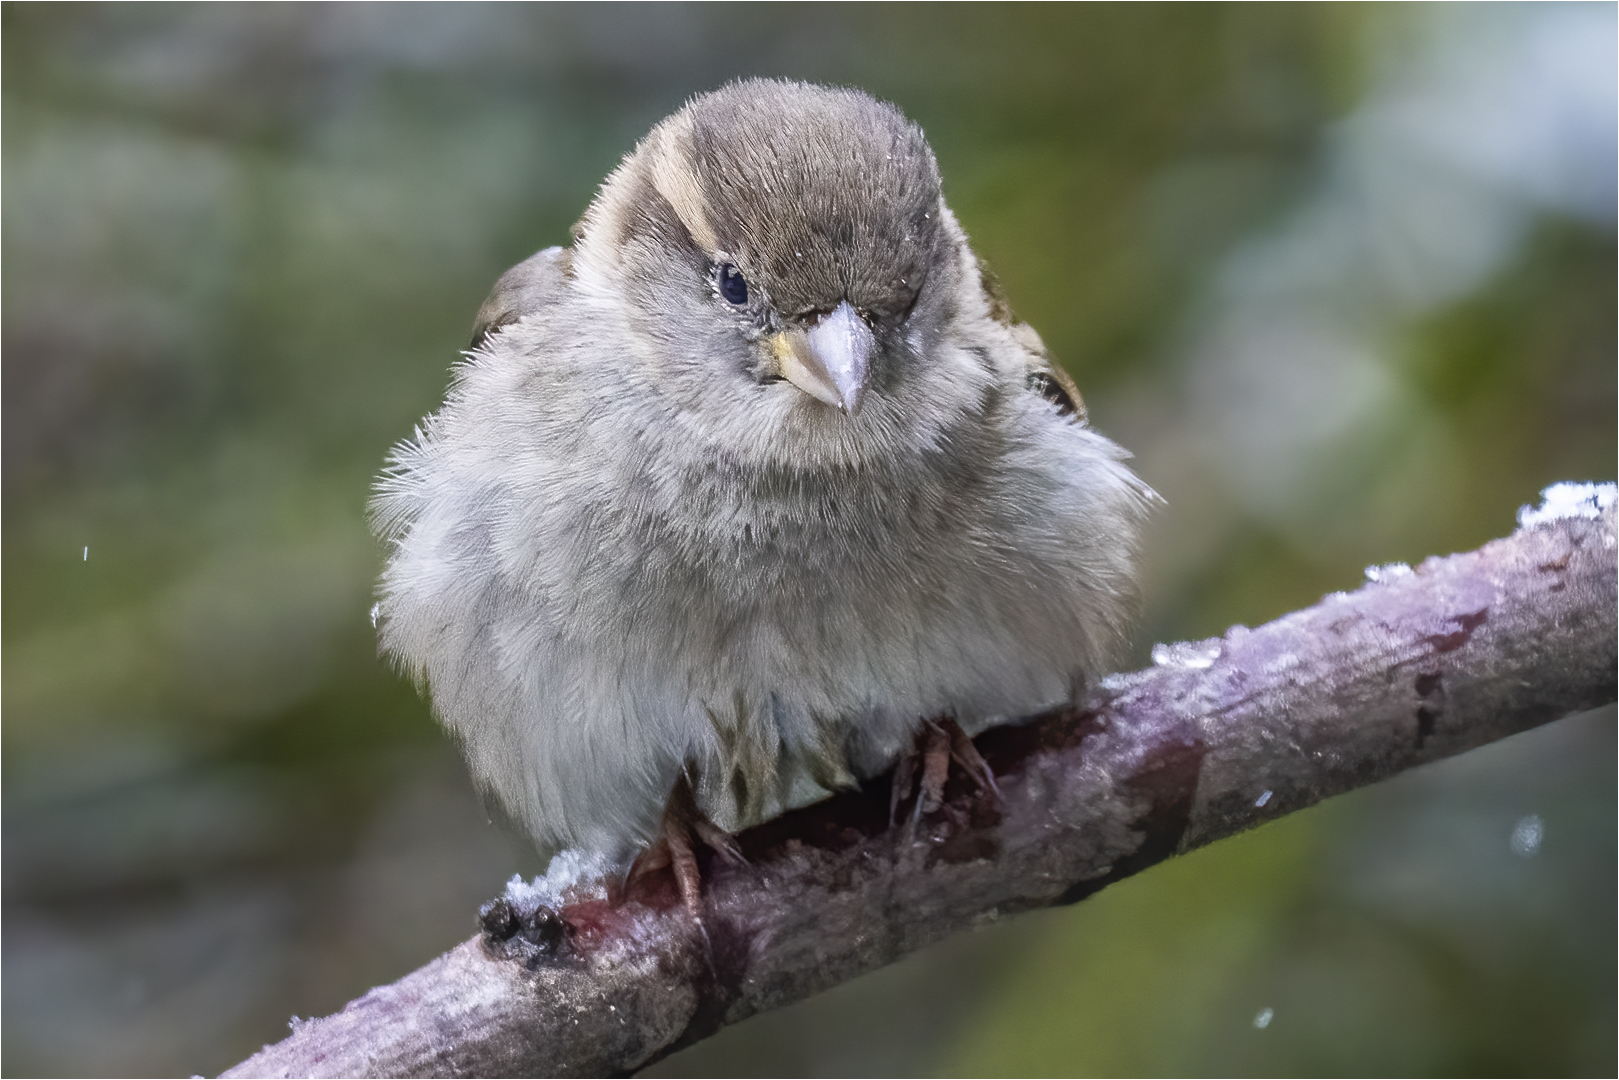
(1216, 737)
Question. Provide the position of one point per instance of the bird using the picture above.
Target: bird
(754, 489)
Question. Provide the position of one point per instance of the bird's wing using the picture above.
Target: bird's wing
(1045, 377)
(1052, 382)
(523, 289)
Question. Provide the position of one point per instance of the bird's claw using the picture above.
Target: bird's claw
(684, 825)
(938, 742)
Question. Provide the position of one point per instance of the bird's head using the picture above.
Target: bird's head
(780, 247)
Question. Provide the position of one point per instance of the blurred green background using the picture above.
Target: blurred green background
(1342, 277)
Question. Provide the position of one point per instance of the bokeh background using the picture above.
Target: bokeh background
(1342, 277)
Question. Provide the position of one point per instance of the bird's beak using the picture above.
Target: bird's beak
(831, 360)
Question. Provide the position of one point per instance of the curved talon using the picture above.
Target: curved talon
(723, 843)
(968, 757)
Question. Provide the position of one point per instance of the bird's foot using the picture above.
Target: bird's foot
(927, 767)
(684, 826)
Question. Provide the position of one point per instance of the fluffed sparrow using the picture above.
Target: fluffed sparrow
(745, 484)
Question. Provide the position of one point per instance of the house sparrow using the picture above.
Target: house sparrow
(732, 495)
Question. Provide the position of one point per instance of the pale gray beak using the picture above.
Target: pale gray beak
(830, 361)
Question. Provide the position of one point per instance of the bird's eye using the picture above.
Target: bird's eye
(733, 286)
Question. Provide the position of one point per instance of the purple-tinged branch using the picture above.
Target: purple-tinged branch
(1217, 737)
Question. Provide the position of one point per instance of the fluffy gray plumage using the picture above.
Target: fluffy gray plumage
(637, 538)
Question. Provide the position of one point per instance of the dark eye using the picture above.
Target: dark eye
(733, 286)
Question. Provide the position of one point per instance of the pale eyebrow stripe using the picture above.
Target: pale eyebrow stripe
(676, 180)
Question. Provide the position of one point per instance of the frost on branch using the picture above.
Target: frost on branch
(1562, 501)
(1216, 737)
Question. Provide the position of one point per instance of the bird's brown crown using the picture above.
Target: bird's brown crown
(817, 194)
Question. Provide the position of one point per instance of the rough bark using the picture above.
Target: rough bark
(1217, 737)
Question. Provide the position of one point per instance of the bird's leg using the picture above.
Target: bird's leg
(938, 742)
(683, 823)
(904, 777)
(935, 755)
